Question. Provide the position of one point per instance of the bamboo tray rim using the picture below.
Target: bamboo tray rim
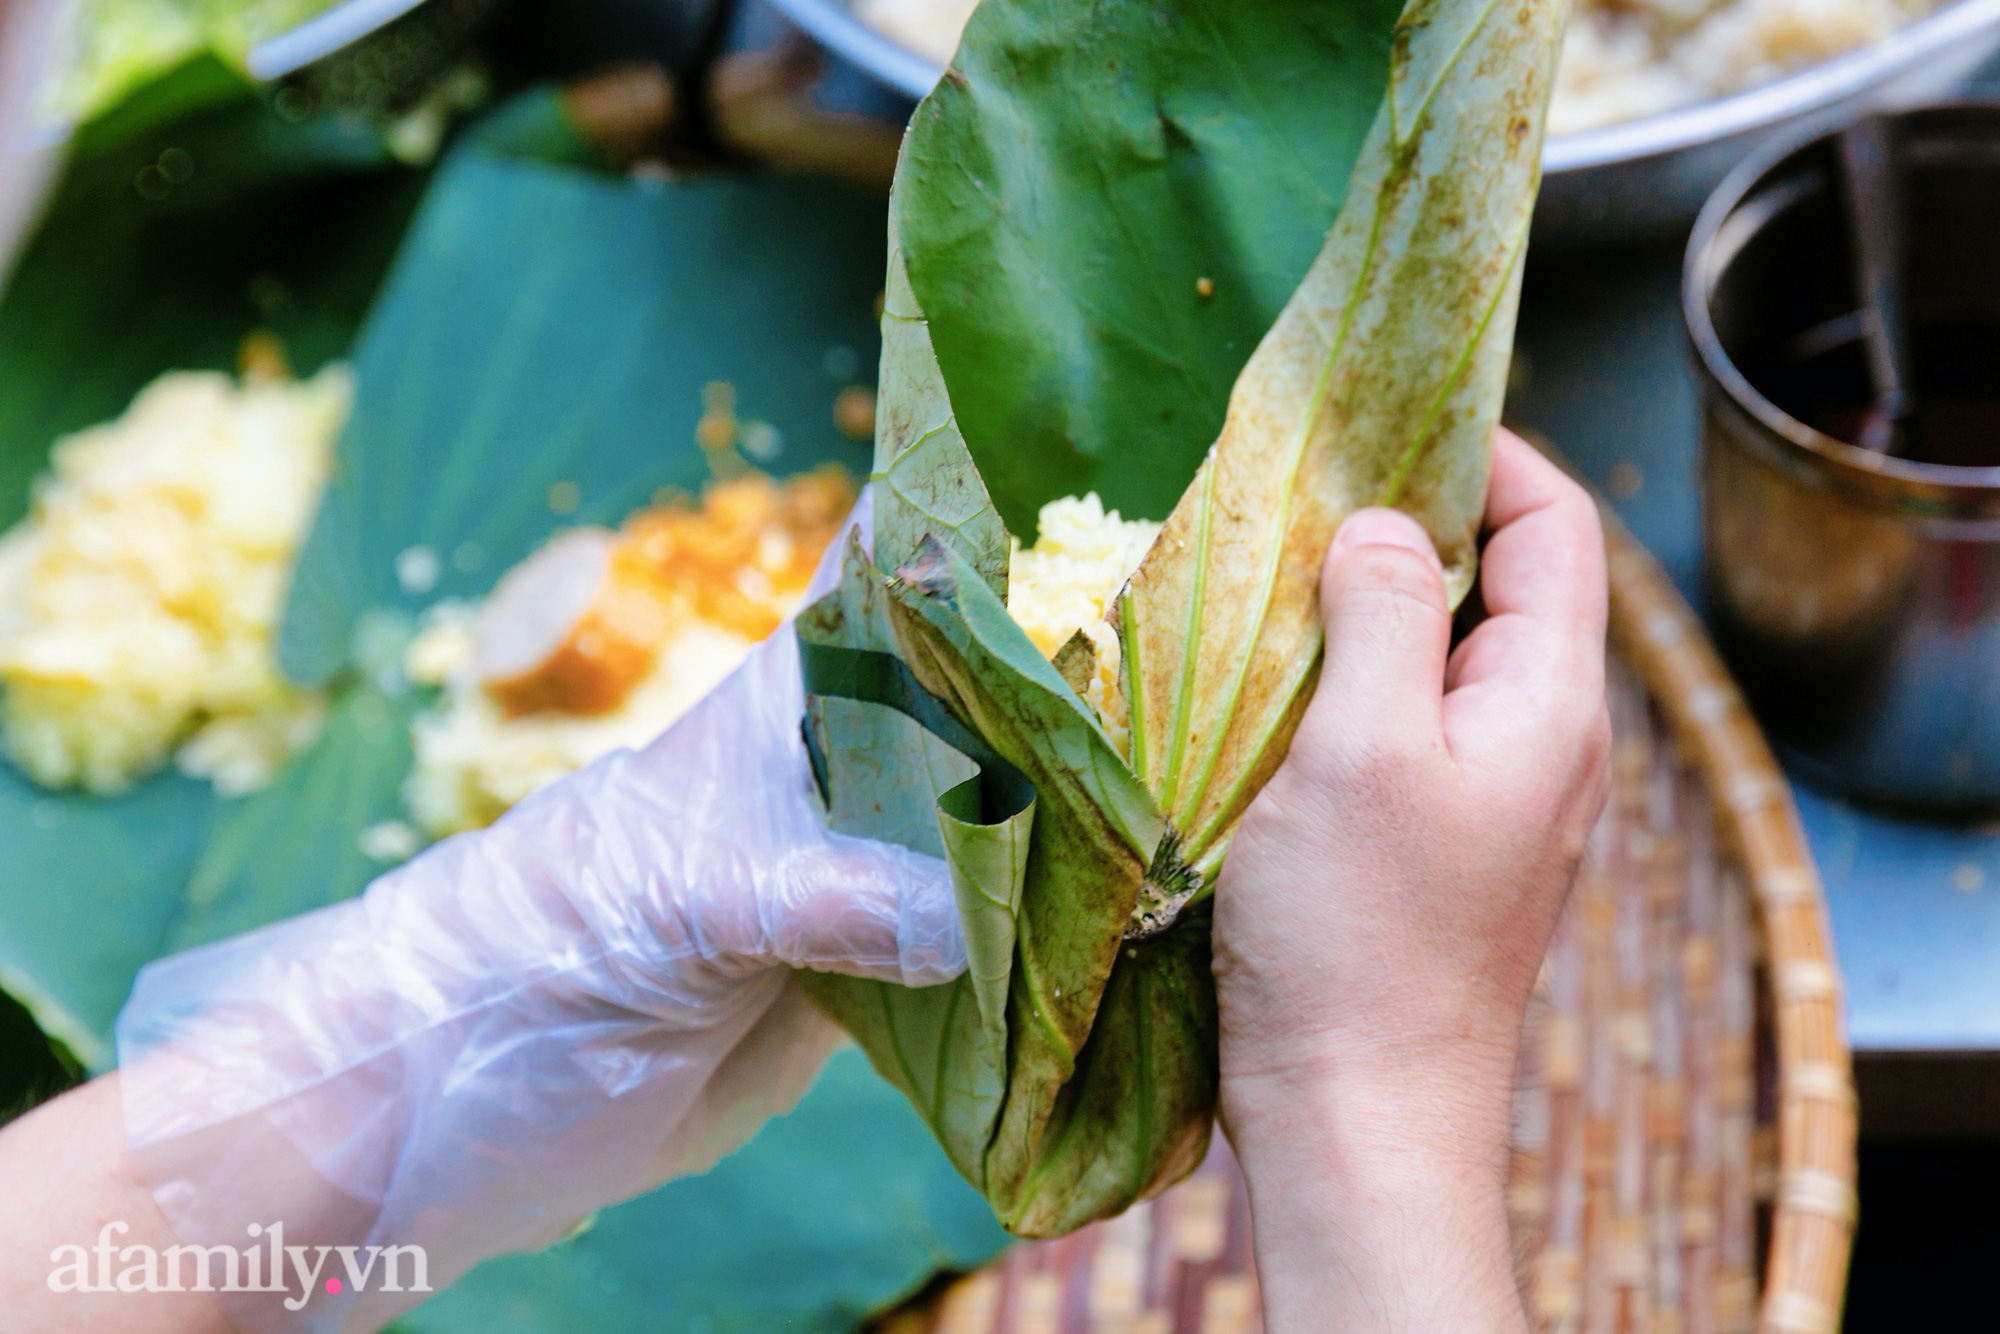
(1815, 1210)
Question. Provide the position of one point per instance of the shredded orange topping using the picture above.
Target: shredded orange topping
(743, 558)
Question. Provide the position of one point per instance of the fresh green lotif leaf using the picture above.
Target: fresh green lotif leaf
(118, 287)
(1072, 181)
(1380, 384)
(928, 483)
(958, 800)
(186, 217)
(88, 895)
(958, 641)
(100, 887)
(567, 323)
(32, 1068)
(1049, 352)
(885, 745)
(839, 1209)
(262, 222)
(1135, 1114)
(1096, 825)
(831, 1213)
(847, 1199)
(173, 98)
(298, 844)
(1093, 825)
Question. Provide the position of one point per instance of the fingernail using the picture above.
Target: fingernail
(1384, 528)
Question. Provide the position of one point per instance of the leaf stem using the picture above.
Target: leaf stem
(1198, 843)
(1135, 689)
(1183, 717)
(1295, 458)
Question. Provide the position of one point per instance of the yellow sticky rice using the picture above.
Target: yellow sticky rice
(1066, 582)
(737, 565)
(473, 761)
(139, 598)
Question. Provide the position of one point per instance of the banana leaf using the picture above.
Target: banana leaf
(1054, 319)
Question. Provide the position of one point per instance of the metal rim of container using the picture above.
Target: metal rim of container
(833, 23)
(318, 37)
(1745, 112)
(1933, 490)
(322, 35)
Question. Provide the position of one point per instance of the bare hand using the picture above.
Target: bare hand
(1388, 901)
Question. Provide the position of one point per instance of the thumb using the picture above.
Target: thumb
(1388, 630)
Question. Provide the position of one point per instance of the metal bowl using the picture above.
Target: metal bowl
(1643, 179)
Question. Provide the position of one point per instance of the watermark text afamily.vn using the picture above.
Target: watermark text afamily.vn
(264, 1264)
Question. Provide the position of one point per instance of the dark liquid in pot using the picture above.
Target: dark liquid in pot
(1956, 417)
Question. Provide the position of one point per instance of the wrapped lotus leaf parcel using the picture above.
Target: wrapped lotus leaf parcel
(1077, 725)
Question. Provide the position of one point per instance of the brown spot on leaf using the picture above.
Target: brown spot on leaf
(929, 571)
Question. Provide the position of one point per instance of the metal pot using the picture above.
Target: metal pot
(1856, 595)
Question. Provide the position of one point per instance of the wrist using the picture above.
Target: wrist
(1378, 1202)
(1453, 1069)
(1411, 1120)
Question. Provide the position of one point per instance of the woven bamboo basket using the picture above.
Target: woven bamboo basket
(1683, 1143)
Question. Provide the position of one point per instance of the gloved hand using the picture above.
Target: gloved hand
(528, 1022)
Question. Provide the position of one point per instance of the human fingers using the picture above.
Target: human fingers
(866, 909)
(1542, 579)
(800, 895)
(1388, 632)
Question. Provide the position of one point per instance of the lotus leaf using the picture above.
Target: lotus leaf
(1097, 214)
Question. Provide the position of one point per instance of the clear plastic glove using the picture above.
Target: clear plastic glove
(525, 1023)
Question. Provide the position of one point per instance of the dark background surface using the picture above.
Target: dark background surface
(1924, 1257)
